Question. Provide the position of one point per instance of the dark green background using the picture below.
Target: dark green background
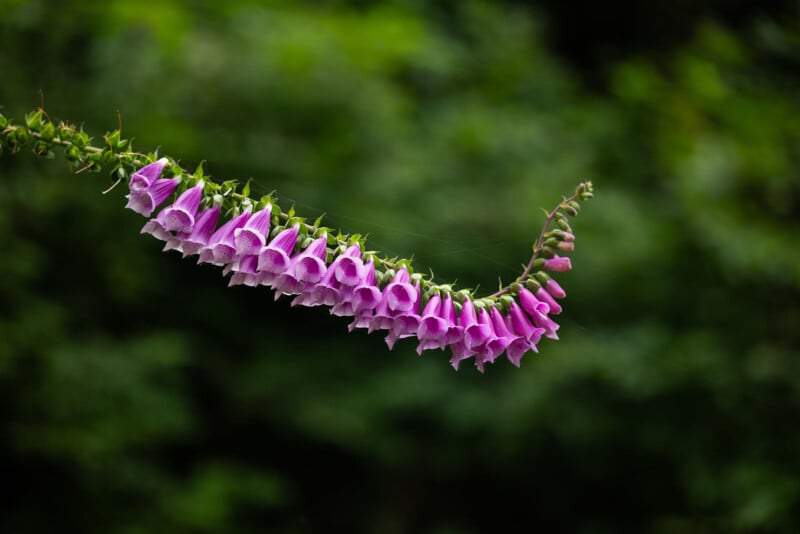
(139, 394)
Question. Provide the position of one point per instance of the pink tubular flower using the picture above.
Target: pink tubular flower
(204, 226)
(180, 216)
(519, 325)
(348, 267)
(489, 346)
(558, 264)
(251, 238)
(531, 303)
(147, 200)
(461, 351)
(406, 322)
(455, 332)
(544, 296)
(220, 249)
(274, 259)
(144, 177)
(397, 296)
(307, 267)
(365, 298)
(554, 289)
(432, 332)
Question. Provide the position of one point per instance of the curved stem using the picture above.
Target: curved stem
(537, 247)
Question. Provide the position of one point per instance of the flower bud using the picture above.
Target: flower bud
(558, 264)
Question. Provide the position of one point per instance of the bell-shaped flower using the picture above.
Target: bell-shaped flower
(156, 227)
(397, 296)
(365, 297)
(252, 237)
(502, 336)
(245, 271)
(528, 335)
(558, 264)
(274, 259)
(204, 226)
(405, 323)
(348, 267)
(307, 267)
(432, 332)
(147, 200)
(455, 332)
(544, 296)
(531, 303)
(144, 177)
(490, 347)
(179, 217)
(220, 249)
(461, 350)
(323, 293)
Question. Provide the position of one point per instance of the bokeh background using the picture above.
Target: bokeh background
(139, 394)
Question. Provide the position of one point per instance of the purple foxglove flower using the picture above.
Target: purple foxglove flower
(364, 299)
(324, 293)
(156, 227)
(543, 321)
(180, 216)
(432, 332)
(274, 259)
(455, 332)
(144, 177)
(245, 271)
(348, 267)
(489, 346)
(220, 249)
(558, 264)
(400, 294)
(461, 350)
(554, 289)
(521, 326)
(476, 334)
(405, 323)
(382, 318)
(204, 226)
(569, 236)
(366, 295)
(519, 344)
(544, 296)
(531, 303)
(251, 238)
(307, 267)
(502, 336)
(144, 202)
(566, 246)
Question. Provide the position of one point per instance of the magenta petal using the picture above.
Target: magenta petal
(275, 258)
(544, 296)
(204, 226)
(161, 189)
(180, 216)
(476, 335)
(144, 177)
(251, 238)
(531, 303)
(220, 249)
(554, 289)
(558, 264)
(348, 267)
(521, 326)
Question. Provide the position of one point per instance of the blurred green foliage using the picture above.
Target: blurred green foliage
(139, 394)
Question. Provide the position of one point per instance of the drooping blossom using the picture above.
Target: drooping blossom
(142, 179)
(221, 249)
(274, 259)
(146, 200)
(306, 268)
